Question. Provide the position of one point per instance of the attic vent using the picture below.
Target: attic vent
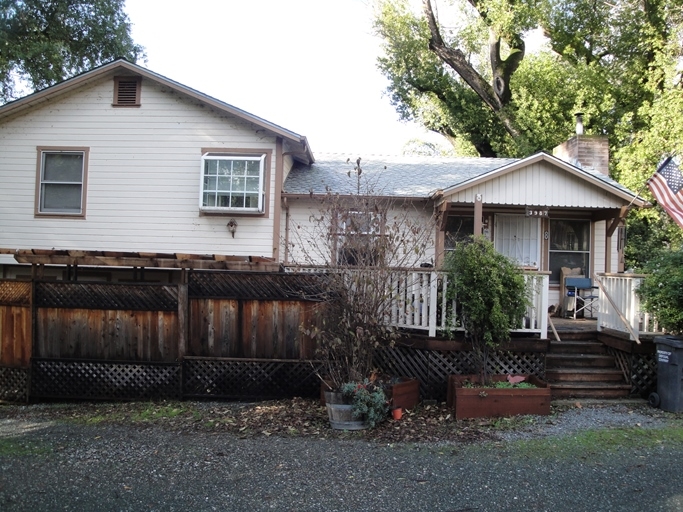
(127, 91)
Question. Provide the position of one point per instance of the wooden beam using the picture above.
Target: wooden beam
(478, 213)
(198, 264)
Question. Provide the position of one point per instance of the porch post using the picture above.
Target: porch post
(433, 302)
(478, 214)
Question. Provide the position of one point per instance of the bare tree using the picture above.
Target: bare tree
(362, 244)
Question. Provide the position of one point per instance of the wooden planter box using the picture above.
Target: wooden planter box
(494, 402)
(404, 394)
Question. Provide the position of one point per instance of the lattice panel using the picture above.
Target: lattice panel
(644, 373)
(256, 286)
(107, 296)
(15, 293)
(105, 380)
(14, 384)
(235, 378)
(623, 362)
(432, 367)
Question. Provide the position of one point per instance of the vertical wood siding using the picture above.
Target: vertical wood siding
(540, 184)
(15, 336)
(121, 335)
(249, 329)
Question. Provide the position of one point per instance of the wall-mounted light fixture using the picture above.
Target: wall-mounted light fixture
(232, 227)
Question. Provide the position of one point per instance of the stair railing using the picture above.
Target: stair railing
(622, 317)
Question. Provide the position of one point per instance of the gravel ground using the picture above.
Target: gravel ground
(52, 458)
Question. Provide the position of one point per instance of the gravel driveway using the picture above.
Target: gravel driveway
(55, 464)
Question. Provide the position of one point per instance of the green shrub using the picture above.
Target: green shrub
(662, 289)
(491, 295)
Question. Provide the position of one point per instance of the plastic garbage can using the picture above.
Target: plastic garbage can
(669, 395)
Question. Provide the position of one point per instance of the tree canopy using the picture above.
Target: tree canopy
(462, 69)
(43, 42)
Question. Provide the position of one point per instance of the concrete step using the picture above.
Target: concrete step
(583, 375)
(589, 390)
(577, 347)
(578, 361)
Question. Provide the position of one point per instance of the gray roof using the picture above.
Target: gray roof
(405, 176)
(397, 176)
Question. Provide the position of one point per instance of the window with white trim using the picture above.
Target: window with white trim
(61, 189)
(569, 246)
(232, 183)
(518, 237)
(360, 241)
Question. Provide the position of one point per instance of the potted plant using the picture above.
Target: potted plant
(491, 296)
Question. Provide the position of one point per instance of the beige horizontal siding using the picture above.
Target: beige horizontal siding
(143, 175)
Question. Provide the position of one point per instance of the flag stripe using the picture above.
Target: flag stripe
(669, 200)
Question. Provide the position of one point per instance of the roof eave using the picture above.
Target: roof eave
(501, 171)
(60, 88)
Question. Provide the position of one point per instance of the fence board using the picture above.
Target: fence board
(107, 334)
(15, 336)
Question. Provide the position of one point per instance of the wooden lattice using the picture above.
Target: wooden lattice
(644, 374)
(249, 378)
(639, 370)
(14, 384)
(257, 286)
(15, 293)
(432, 367)
(108, 296)
(104, 380)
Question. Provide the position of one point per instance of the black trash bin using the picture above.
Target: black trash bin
(669, 395)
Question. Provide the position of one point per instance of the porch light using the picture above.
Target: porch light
(232, 227)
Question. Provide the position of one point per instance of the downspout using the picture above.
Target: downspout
(285, 205)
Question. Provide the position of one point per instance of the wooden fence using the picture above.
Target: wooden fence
(219, 334)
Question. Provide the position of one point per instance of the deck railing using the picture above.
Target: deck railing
(621, 289)
(419, 301)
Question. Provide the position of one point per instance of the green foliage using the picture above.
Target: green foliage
(46, 41)
(662, 289)
(491, 295)
(368, 400)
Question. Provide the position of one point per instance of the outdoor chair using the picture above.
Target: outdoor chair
(582, 294)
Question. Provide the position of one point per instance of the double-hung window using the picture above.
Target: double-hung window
(61, 181)
(233, 183)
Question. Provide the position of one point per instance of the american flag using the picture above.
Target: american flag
(666, 185)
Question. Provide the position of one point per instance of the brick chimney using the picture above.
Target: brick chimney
(589, 152)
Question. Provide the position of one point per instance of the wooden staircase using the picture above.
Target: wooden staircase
(580, 367)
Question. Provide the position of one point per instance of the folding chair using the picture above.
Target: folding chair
(582, 289)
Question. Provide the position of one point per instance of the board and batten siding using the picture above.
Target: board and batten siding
(539, 184)
(143, 181)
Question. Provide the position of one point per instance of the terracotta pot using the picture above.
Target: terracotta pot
(397, 413)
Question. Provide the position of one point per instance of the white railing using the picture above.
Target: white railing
(624, 306)
(418, 300)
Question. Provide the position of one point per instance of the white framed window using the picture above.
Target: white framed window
(61, 181)
(569, 246)
(232, 183)
(518, 237)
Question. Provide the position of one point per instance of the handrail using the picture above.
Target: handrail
(552, 326)
(622, 317)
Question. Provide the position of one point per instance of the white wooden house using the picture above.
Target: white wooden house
(122, 160)
(123, 168)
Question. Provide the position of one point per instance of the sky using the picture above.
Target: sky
(306, 65)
